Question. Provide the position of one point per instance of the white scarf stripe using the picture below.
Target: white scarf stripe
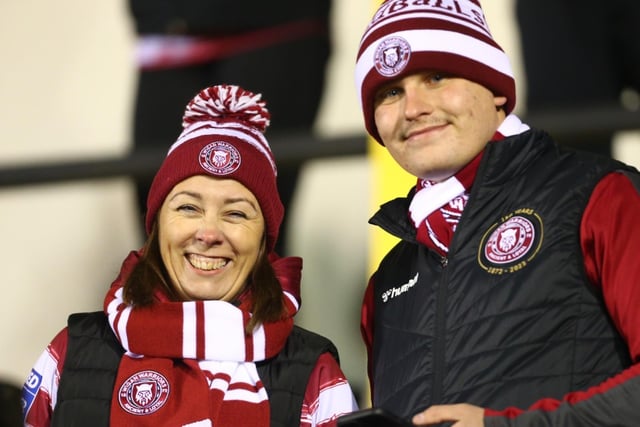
(259, 343)
(203, 423)
(112, 311)
(189, 338)
(223, 331)
(219, 384)
(512, 125)
(429, 199)
(246, 395)
(293, 299)
(434, 237)
(112, 307)
(240, 373)
(122, 327)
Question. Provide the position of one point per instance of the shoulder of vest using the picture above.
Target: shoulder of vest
(92, 328)
(312, 341)
(89, 372)
(392, 217)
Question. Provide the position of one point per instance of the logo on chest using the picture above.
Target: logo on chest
(511, 243)
(399, 290)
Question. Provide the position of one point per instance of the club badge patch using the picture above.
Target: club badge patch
(391, 56)
(510, 244)
(143, 393)
(220, 158)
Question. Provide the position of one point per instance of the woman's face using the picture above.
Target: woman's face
(210, 234)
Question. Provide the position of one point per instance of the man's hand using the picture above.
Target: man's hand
(462, 415)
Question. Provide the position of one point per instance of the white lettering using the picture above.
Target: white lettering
(396, 292)
(33, 381)
(464, 10)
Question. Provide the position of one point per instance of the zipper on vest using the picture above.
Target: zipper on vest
(440, 329)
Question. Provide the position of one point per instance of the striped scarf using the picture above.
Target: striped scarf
(436, 207)
(190, 363)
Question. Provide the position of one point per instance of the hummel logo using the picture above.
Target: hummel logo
(395, 292)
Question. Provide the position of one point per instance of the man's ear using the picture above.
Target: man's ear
(499, 101)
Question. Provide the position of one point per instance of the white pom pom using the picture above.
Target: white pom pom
(228, 103)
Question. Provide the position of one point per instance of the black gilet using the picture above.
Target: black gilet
(94, 353)
(509, 315)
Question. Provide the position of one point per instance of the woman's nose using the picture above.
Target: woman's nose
(209, 232)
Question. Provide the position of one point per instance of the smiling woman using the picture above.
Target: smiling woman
(205, 308)
(213, 235)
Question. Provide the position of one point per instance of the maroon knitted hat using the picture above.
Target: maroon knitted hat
(449, 36)
(223, 137)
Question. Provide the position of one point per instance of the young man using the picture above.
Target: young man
(511, 299)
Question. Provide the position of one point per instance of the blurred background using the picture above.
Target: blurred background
(66, 85)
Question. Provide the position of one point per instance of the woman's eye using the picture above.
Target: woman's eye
(186, 208)
(237, 214)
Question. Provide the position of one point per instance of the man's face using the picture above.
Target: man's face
(433, 124)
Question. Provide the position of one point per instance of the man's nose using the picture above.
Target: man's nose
(417, 101)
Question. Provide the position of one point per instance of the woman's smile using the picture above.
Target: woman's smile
(206, 263)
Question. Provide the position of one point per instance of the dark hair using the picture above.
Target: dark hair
(150, 274)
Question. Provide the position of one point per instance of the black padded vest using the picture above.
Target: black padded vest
(93, 357)
(492, 324)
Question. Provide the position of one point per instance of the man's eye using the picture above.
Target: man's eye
(437, 77)
(390, 92)
(386, 95)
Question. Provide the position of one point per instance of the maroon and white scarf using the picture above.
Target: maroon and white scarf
(436, 207)
(190, 363)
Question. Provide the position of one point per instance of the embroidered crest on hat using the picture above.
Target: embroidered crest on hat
(510, 244)
(143, 393)
(220, 158)
(392, 55)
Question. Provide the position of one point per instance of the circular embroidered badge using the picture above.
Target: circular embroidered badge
(391, 56)
(143, 393)
(510, 244)
(220, 158)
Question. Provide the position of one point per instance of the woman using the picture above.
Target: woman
(197, 329)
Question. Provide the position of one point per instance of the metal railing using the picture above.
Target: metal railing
(290, 148)
(587, 124)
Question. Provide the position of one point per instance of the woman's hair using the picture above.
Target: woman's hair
(150, 274)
